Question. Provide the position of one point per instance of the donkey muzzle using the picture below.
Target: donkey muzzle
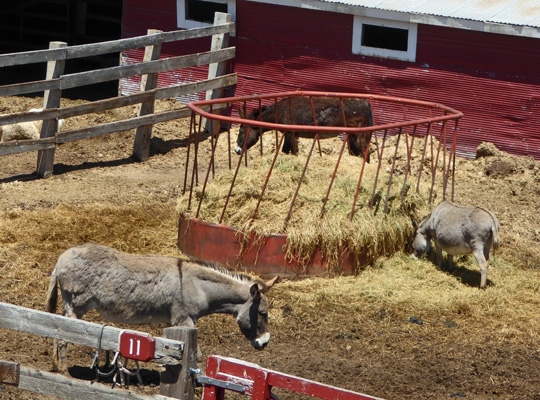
(261, 342)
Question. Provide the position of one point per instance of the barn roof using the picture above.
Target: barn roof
(512, 17)
(513, 12)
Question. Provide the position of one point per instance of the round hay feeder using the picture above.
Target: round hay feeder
(412, 147)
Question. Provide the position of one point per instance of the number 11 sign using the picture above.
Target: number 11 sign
(137, 346)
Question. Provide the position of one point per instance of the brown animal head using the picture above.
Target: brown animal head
(253, 133)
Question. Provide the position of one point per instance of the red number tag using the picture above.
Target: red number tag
(137, 346)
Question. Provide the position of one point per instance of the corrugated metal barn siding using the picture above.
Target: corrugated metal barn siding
(490, 78)
(141, 15)
(292, 27)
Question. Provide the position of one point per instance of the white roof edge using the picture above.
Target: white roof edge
(419, 18)
(490, 27)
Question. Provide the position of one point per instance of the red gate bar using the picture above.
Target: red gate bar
(258, 382)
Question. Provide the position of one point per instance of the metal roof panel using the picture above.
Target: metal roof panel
(511, 12)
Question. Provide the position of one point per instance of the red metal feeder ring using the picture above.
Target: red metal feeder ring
(225, 245)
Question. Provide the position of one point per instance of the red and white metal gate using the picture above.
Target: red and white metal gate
(250, 379)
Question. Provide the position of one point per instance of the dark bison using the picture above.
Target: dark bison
(327, 112)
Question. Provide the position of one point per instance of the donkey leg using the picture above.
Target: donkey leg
(484, 265)
(438, 256)
(55, 356)
(355, 146)
(295, 144)
(487, 249)
(59, 355)
(60, 346)
(62, 356)
(287, 143)
(290, 144)
(450, 262)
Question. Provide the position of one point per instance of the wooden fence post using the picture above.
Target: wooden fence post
(220, 41)
(176, 380)
(51, 99)
(143, 134)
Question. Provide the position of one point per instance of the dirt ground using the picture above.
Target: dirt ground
(377, 350)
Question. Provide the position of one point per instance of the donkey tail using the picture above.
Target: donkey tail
(52, 293)
(495, 234)
(495, 225)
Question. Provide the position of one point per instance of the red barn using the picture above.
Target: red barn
(479, 57)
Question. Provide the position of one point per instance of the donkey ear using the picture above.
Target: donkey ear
(414, 224)
(241, 113)
(269, 284)
(255, 292)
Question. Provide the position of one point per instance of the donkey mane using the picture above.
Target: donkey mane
(239, 276)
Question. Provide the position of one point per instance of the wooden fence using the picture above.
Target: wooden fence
(152, 65)
(177, 350)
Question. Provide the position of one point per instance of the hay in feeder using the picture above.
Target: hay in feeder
(369, 235)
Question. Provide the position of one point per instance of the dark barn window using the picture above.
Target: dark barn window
(203, 11)
(384, 38)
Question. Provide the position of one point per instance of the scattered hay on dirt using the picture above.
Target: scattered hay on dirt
(32, 240)
(353, 332)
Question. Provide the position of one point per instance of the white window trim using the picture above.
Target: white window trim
(182, 22)
(357, 48)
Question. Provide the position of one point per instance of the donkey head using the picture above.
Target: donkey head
(422, 238)
(253, 132)
(252, 316)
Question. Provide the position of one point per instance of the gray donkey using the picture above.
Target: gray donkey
(458, 230)
(138, 289)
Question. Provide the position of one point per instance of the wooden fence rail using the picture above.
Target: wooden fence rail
(178, 356)
(116, 102)
(57, 385)
(79, 79)
(77, 331)
(114, 46)
(56, 81)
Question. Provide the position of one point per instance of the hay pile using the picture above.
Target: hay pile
(33, 239)
(371, 233)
